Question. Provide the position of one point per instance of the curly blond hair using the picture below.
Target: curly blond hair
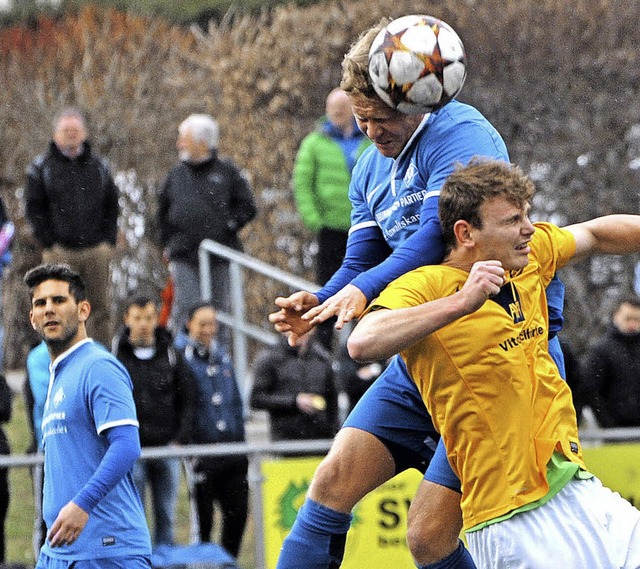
(355, 65)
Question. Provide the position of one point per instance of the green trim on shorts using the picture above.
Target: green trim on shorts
(560, 471)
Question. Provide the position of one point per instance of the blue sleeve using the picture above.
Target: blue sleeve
(366, 248)
(123, 451)
(555, 302)
(424, 247)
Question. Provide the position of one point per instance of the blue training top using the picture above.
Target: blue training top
(394, 220)
(89, 398)
(38, 361)
(395, 201)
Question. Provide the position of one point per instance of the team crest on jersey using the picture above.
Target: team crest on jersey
(509, 299)
(410, 174)
(58, 397)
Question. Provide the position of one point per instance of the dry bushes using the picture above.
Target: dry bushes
(125, 73)
(558, 79)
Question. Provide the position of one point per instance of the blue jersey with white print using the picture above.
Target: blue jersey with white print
(394, 218)
(400, 194)
(90, 392)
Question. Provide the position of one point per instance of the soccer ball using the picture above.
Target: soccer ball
(417, 64)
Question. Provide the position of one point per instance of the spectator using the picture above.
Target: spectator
(297, 387)
(203, 197)
(35, 396)
(163, 394)
(72, 207)
(321, 177)
(7, 230)
(219, 418)
(6, 400)
(91, 506)
(612, 369)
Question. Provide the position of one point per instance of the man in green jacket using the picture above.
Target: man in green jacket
(321, 177)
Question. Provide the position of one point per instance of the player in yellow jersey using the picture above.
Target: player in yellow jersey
(473, 334)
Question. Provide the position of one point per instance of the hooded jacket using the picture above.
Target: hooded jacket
(321, 176)
(280, 373)
(219, 416)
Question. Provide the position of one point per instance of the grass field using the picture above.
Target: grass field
(19, 524)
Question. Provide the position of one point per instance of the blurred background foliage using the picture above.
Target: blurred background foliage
(183, 12)
(558, 79)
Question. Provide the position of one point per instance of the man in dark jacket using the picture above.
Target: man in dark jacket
(163, 394)
(611, 374)
(71, 204)
(203, 197)
(297, 387)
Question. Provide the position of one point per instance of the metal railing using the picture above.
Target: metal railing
(242, 330)
(592, 434)
(258, 451)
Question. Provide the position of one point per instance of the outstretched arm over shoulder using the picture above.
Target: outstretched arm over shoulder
(611, 234)
(384, 332)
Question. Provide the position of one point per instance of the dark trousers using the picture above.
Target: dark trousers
(332, 245)
(222, 480)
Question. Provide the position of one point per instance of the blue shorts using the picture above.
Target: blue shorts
(392, 410)
(128, 562)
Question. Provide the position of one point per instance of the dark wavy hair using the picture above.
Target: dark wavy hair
(56, 272)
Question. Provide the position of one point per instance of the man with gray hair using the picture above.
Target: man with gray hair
(203, 197)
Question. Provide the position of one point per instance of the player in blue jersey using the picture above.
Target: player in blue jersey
(395, 228)
(91, 508)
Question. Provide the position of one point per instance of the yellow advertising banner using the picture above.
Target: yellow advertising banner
(618, 467)
(378, 529)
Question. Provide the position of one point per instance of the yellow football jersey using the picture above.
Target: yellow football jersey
(487, 379)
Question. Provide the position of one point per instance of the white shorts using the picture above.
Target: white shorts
(585, 526)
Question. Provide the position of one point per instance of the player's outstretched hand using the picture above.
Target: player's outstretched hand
(68, 525)
(346, 304)
(484, 281)
(288, 320)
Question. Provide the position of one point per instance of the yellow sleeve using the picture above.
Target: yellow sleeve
(411, 289)
(552, 247)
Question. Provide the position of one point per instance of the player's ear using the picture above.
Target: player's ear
(84, 309)
(463, 231)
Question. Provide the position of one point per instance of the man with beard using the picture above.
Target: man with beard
(91, 507)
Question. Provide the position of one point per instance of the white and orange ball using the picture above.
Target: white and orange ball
(417, 64)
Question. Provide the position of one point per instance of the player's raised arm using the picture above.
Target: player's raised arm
(611, 234)
(382, 332)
